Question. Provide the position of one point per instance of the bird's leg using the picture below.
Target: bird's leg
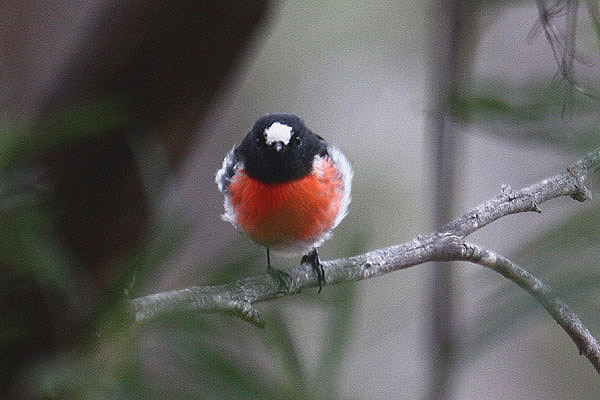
(284, 278)
(313, 259)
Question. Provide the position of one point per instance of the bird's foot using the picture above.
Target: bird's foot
(312, 258)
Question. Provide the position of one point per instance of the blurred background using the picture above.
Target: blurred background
(115, 116)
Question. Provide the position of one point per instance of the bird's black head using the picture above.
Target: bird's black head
(279, 148)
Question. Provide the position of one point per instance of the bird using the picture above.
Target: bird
(286, 188)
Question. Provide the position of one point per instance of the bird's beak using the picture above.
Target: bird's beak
(278, 146)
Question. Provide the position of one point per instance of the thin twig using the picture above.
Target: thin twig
(567, 183)
(238, 298)
(563, 45)
(562, 314)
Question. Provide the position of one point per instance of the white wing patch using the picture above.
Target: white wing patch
(223, 179)
(278, 132)
(342, 163)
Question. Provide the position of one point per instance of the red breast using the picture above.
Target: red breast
(289, 215)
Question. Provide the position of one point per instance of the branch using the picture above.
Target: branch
(567, 183)
(238, 298)
(562, 314)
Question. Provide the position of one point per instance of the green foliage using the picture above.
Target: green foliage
(66, 125)
(536, 113)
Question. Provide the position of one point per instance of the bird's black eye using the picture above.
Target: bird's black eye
(298, 140)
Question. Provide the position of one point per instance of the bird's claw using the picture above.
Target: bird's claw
(312, 258)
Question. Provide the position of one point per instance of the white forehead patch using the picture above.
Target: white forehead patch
(278, 132)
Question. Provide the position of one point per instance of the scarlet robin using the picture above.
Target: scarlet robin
(286, 188)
